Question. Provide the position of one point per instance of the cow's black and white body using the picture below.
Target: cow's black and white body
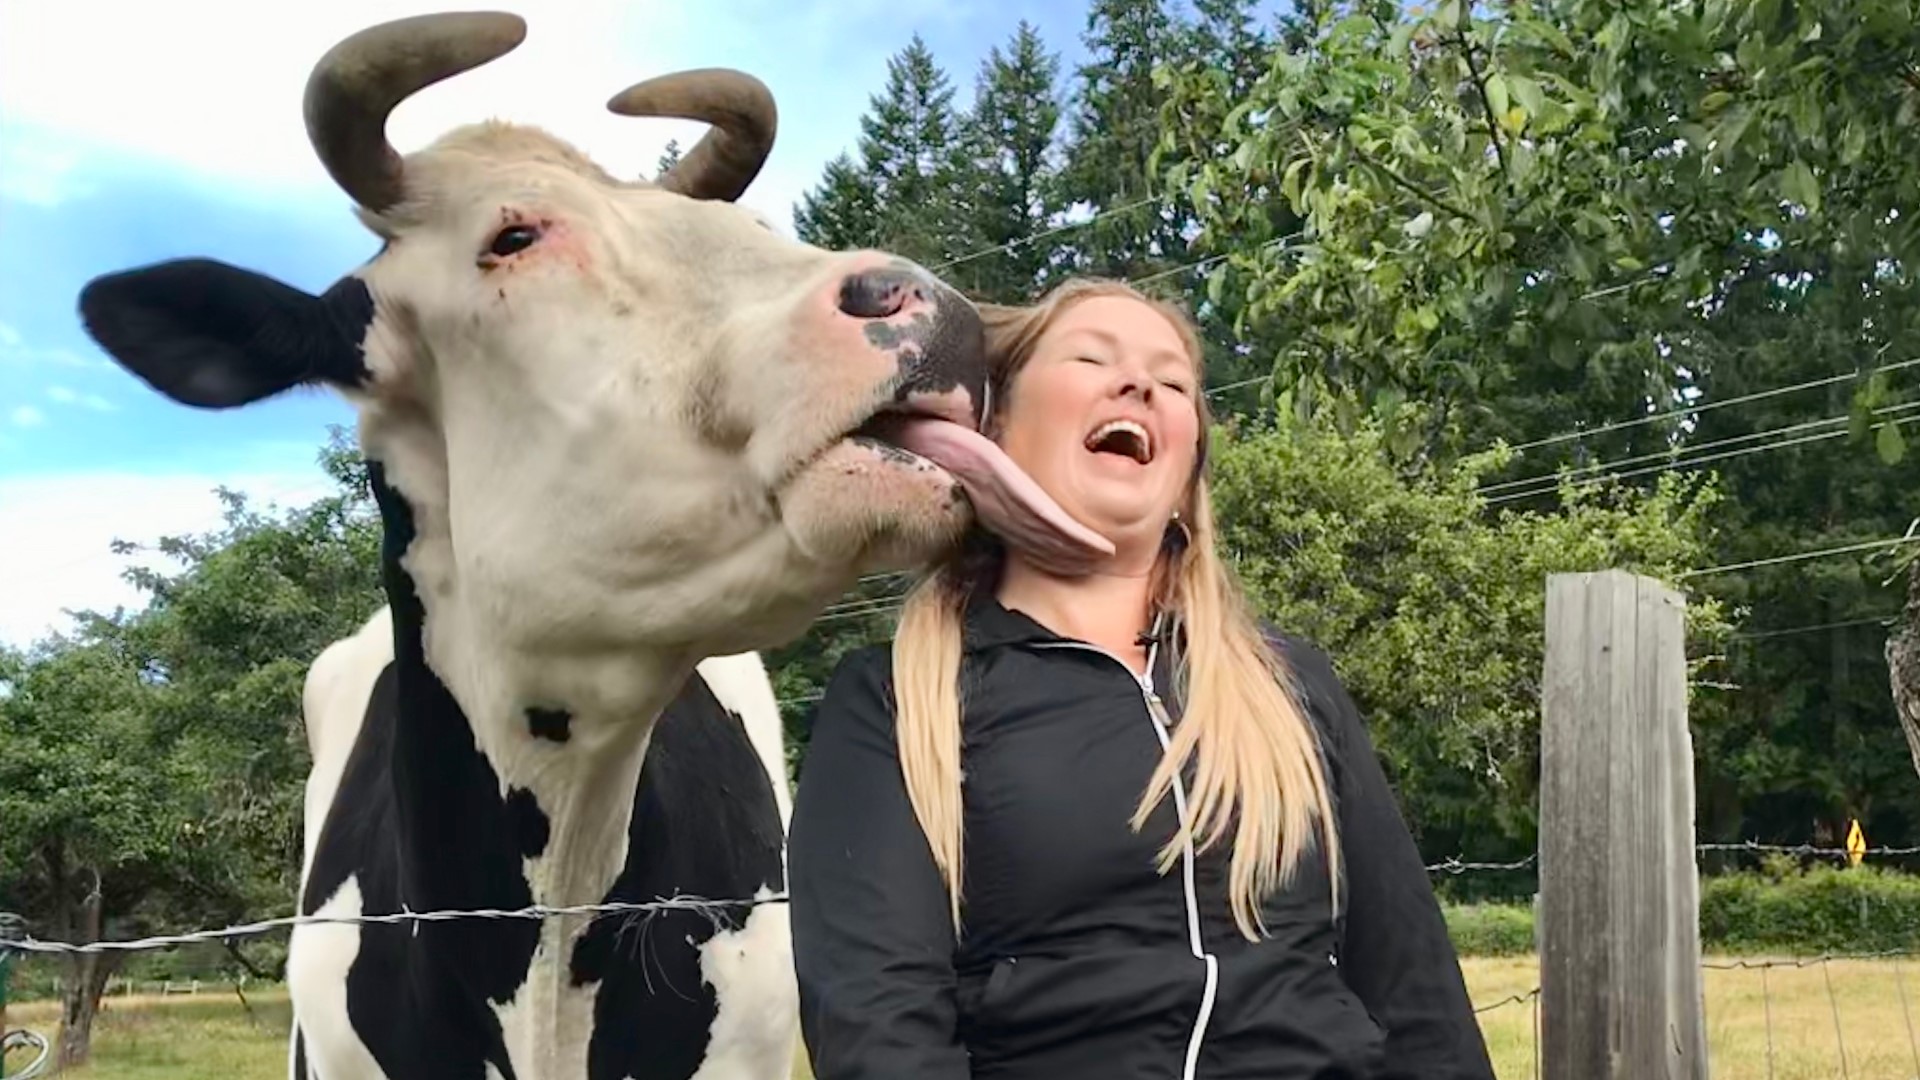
(621, 434)
(686, 993)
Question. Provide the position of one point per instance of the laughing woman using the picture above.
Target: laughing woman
(1175, 854)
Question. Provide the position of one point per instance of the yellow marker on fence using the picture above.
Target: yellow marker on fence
(1856, 844)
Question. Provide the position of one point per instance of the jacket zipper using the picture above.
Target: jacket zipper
(1157, 714)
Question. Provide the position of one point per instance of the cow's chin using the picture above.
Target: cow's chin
(875, 506)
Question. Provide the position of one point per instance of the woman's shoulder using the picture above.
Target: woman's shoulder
(1316, 682)
(859, 690)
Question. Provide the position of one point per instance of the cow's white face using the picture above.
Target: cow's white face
(629, 405)
(605, 414)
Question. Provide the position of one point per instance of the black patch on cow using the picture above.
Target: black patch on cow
(213, 335)
(553, 724)
(704, 824)
(420, 824)
(299, 1054)
(530, 824)
(939, 353)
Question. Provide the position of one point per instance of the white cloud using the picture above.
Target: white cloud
(9, 337)
(214, 86)
(27, 416)
(66, 395)
(56, 533)
(36, 170)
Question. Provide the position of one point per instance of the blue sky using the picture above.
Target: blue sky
(135, 133)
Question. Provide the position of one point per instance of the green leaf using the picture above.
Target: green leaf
(1528, 93)
(1798, 185)
(1496, 91)
(1890, 444)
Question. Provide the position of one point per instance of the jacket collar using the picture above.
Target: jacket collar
(987, 624)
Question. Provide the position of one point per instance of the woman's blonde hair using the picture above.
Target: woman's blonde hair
(1257, 766)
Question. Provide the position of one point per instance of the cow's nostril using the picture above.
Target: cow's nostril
(879, 294)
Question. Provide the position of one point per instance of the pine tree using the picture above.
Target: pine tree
(843, 212)
(908, 147)
(1011, 195)
(1116, 125)
(903, 191)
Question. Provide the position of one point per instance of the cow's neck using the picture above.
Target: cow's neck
(562, 766)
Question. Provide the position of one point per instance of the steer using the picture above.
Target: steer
(620, 434)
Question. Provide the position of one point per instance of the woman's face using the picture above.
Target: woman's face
(1103, 416)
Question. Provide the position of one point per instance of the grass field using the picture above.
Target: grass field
(211, 1035)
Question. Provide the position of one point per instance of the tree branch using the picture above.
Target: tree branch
(1410, 187)
(1480, 88)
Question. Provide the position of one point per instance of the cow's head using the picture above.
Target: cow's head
(615, 412)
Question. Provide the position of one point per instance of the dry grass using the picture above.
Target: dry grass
(1868, 996)
(189, 1038)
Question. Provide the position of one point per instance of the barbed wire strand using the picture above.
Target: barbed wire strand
(1839, 1039)
(1906, 1013)
(695, 905)
(1510, 999)
(1766, 1000)
(1803, 849)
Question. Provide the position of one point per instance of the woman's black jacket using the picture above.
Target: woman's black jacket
(1077, 958)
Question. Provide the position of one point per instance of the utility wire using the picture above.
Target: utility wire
(1691, 462)
(1549, 481)
(1682, 410)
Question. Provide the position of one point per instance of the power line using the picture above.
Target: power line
(1800, 556)
(1681, 410)
(1876, 620)
(1055, 231)
(1549, 481)
(1691, 462)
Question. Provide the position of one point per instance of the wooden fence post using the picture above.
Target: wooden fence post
(1619, 932)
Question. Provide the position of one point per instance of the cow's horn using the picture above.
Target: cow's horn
(730, 154)
(359, 81)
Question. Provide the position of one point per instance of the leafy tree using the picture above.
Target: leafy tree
(669, 157)
(1523, 219)
(101, 810)
(1433, 609)
(151, 764)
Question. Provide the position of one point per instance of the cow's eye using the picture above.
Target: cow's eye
(514, 238)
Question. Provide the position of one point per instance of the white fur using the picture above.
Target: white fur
(756, 1031)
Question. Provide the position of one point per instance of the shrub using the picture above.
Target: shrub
(1822, 909)
(1490, 929)
(1782, 909)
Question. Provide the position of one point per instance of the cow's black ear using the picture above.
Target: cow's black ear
(210, 334)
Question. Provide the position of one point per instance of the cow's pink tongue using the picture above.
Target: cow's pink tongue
(1005, 497)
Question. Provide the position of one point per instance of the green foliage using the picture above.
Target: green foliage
(1490, 929)
(1817, 909)
(162, 749)
(1522, 216)
(1433, 610)
(1783, 909)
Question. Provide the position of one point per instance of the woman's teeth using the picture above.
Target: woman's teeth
(1122, 437)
